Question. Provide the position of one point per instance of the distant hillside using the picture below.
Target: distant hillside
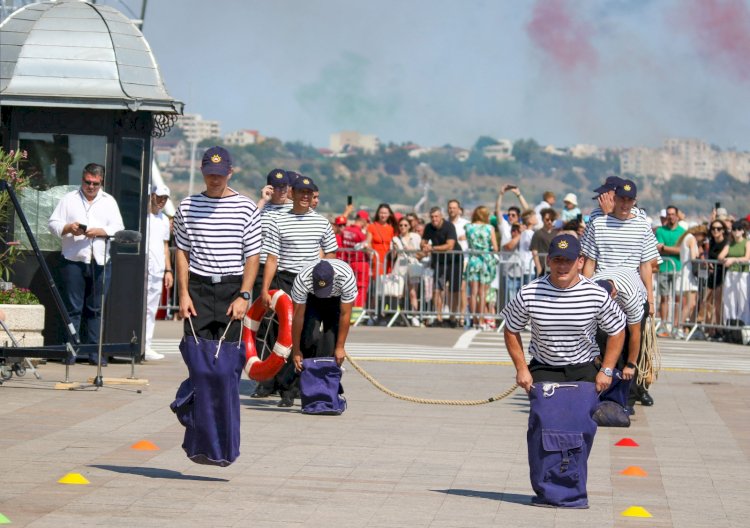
(392, 175)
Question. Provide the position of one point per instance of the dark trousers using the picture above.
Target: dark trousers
(211, 302)
(82, 294)
(578, 372)
(320, 330)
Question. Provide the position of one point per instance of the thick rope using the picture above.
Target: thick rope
(413, 399)
(649, 362)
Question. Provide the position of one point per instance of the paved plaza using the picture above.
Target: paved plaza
(384, 462)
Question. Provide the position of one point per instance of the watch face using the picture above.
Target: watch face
(245, 295)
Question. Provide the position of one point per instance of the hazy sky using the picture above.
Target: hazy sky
(607, 72)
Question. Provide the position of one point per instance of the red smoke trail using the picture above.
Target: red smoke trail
(722, 32)
(562, 35)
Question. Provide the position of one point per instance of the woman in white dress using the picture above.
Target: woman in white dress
(690, 244)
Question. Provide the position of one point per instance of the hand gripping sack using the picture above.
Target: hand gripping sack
(320, 386)
(208, 402)
(560, 437)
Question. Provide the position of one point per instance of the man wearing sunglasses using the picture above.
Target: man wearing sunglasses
(83, 219)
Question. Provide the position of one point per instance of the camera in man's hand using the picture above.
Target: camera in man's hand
(83, 227)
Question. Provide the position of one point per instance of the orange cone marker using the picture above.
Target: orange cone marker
(634, 471)
(73, 478)
(145, 445)
(636, 511)
(627, 442)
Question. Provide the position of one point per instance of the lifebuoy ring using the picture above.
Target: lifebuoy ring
(256, 369)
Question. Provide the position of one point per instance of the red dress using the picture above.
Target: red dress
(382, 234)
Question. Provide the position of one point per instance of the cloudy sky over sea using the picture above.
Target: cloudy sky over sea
(607, 72)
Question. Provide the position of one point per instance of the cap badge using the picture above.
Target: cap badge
(215, 158)
(321, 283)
(627, 187)
(305, 181)
(279, 175)
(563, 244)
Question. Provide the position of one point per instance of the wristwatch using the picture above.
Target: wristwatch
(245, 295)
(630, 365)
(607, 371)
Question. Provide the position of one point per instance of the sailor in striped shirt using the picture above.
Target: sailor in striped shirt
(323, 295)
(621, 240)
(630, 295)
(294, 239)
(564, 309)
(624, 240)
(218, 240)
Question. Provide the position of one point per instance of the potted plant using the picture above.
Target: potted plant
(23, 316)
(21, 310)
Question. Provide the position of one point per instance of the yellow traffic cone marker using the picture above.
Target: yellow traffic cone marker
(73, 478)
(636, 511)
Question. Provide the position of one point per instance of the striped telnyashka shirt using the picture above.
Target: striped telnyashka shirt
(563, 322)
(266, 218)
(296, 239)
(219, 234)
(615, 243)
(344, 283)
(631, 294)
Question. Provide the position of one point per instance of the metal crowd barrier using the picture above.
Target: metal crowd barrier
(417, 287)
(364, 263)
(714, 300)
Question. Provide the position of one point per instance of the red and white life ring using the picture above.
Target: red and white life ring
(256, 369)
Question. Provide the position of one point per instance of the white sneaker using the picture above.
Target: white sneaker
(415, 321)
(152, 355)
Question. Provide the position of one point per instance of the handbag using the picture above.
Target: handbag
(207, 404)
(393, 285)
(320, 387)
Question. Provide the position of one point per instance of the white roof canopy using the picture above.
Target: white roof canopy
(71, 53)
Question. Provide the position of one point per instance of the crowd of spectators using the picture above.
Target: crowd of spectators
(460, 269)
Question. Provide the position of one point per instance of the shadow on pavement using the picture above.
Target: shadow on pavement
(491, 495)
(156, 473)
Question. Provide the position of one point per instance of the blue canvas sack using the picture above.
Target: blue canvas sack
(320, 386)
(611, 409)
(560, 437)
(208, 402)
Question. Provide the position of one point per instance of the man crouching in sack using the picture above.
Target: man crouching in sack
(564, 309)
(323, 295)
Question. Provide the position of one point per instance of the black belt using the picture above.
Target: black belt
(288, 274)
(216, 279)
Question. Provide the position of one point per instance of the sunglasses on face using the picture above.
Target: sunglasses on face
(717, 229)
(92, 183)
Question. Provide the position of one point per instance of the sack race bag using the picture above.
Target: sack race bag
(208, 402)
(560, 437)
(320, 386)
(612, 403)
(393, 285)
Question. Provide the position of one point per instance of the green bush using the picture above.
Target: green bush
(18, 296)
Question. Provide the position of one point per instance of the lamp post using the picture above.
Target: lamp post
(193, 146)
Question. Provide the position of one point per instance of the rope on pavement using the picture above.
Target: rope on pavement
(430, 401)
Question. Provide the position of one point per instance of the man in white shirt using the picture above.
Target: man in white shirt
(548, 201)
(159, 263)
(83, 220)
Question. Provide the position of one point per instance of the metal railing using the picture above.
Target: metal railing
(414, 288)
(419, 287)
(712, 300)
